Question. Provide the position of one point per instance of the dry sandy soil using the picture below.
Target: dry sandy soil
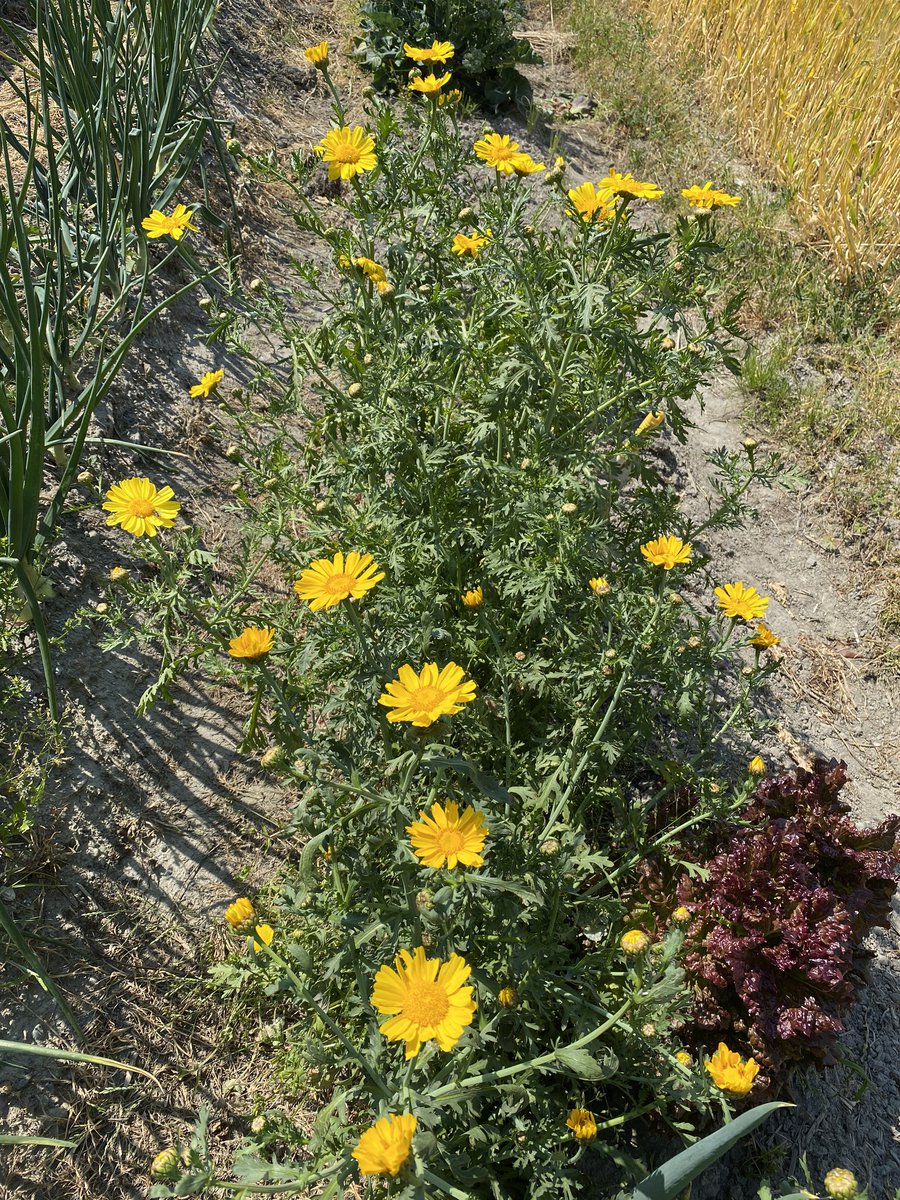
(150, 825)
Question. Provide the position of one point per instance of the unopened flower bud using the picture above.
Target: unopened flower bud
(233, 146)
(102, 609)
(354, 389)
(205, 302)
(634, 942)
(684, 1058)
(119, 574)
(610, 653)
(166, 1165)
(525, 464)
(570, 508)
(85, 478)
(648, 1030)
(274, 758)
(550, 847)
(520, 656)
(386, 291)
(676, 598)
(507, 997)
(255, 285)
(236, 488)
(693, 642)
(465, 214)
(321, 505)
(668, 343)
(528, 230)
(232, 453)
(750, 443)
(841, 1184)
(756, 766)
(270, 483)
(424, 900)
(367, 360)
(257, 1125)
(681, 915)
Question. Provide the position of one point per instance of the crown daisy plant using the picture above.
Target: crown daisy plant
(348, 152)
(667, 552)
(327, 582)
(174, 225)
(384, 1148)
(741, 603)
(437, 52)
(207, 384)
(429, 85)
(444, 837)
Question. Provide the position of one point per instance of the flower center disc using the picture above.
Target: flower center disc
(426, 1004)
(450, 841)
(141, 508)
(425, 699)
(346, 154)
(338, 585)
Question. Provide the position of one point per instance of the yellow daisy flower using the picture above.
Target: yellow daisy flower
(239, 912)
(375, 273)
(251, 642)
(326, 582)
(437, 52)
(741, 603)
(653, 420)
(628, 187)
(446, 838)
(424, 999)
(384, 1147)
(317, 55)
(498, 151)
(429, 85)
(590, 204)
(139, 508)
(764, 638)
(583, 1124)
(729, 1071)
(158, 225)
(347, 151)
(524, 164)
(434, 692)
(473, 598)
(667, 552)
(599, 586)
(208, 383)
(471, 244)
(707, 197)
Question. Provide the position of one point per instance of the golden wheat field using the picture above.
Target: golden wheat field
(815, 88)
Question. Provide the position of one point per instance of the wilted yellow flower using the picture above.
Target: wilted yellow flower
(166, 1165)
(252, 642)
(239, 912)
(429, 85)
(498, 151)
(684, 1058)
(582, 1123)
(438, 52)
(347, 151)
(628, 187)
(681, 915)
(635, 941)
(434, 692)
(317, 55)
(708, 197)
(653, 420)
(741, 603)
(375, 273)
(473, 598)
(326, 583)
(384, 1147)
(764, 638)
(445, 837)
(729, 1071)
(591, 204)
(507, 997)
(841, 1184)
(424, 998)
(756, 766)
(667, 552)
(524, 164)
(137, 506)
(599, 586)
(158, 225)
(471, 244)
(265, 933)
